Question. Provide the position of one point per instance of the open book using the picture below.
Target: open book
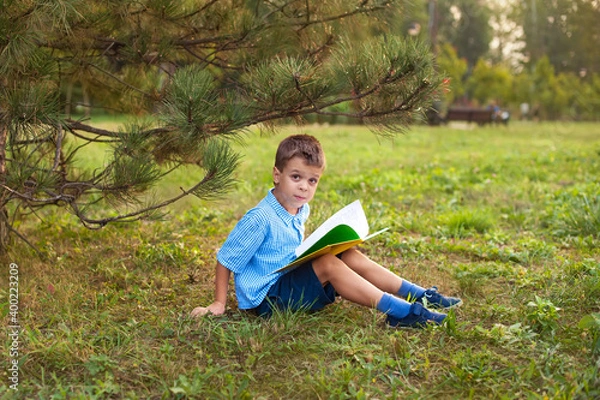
(343, 230)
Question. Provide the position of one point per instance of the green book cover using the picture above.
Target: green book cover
(338, 234)
(343, 230)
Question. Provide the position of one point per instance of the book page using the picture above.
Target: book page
(352, 216)
(333, 249)
(338, 234)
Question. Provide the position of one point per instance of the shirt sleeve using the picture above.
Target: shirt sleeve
(244, 240)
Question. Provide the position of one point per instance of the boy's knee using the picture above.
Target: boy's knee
(351, 255)
(324, 264)
(325, 261)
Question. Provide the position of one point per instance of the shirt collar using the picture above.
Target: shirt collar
(282, 212)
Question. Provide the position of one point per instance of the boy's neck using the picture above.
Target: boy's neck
(292, 211)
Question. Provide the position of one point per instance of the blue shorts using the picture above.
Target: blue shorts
(298, 289)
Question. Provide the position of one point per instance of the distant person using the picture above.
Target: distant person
(265, 240)
(524, 108)
(495, 108)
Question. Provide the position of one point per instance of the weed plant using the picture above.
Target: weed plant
(507, 218)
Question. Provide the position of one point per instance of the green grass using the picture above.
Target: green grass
(507, 218)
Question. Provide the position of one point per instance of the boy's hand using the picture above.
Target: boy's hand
(216, 308)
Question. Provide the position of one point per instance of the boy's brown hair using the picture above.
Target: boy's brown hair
(306, 147)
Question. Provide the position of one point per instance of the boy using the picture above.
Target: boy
(266, 237)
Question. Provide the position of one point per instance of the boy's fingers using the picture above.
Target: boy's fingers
(199, 311)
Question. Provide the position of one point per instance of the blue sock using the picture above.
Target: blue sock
(394, 306)
(410, 289)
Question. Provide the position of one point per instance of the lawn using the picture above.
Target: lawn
(507, 218)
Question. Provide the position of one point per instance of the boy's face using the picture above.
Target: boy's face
(296, 184)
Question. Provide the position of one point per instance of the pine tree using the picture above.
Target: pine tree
(202, 72)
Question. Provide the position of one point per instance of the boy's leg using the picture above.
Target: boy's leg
(298, 289)
(347, 283)
(389, 282)
(379, 276)
(353, 287)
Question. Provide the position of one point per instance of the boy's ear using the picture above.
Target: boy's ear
(276, 175)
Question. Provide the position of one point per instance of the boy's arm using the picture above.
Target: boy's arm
(222, 275)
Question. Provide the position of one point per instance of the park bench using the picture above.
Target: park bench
(480, 116)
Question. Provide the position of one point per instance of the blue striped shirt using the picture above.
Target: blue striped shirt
(264, 240)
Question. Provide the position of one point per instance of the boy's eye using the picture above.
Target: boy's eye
(313, 181)
(295, 177)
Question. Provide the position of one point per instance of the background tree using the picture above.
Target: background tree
(204, 70)
(548, 95)
(566, 31)
(414, 20)
(489, 84)
(455, 69)
(507, 42)
(465, 24)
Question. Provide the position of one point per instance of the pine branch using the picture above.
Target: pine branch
(27, 242)
(226, 77)
(91, 140)
(119, 80)
(77, 125)
(344, 15)
(222, 64)
(36, 202)
(199, 10)
(58, 144)
(135, 215)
